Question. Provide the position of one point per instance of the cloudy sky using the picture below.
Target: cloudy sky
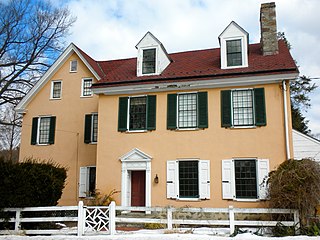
(110, 29)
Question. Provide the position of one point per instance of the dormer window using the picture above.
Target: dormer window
(234, 53)
(152, 57)
(234, 47)
(149, 61)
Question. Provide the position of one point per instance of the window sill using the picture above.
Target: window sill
(55, 99)
(187, 129)
(86, 96)
(42, 144)
(136, 131)
(189, 199)
(243, 127)
(246, 200)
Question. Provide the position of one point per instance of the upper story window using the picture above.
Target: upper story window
(234, 47)
(43, 130)
(234, 53)
(149, 61)
(188, 179)
(187, 111)
(86, 87)
(91, 128)
(73, 66)
(244, 178)
(137, 113)
(56, 89)
(243, 107)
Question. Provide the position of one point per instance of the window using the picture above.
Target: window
(87, 181)
(244, 178)
(91, 128)
(43, 130)
(56, 89)
(149, 61)
(234, 53)
(187, 110)
(243, 107)
(73, 66)
(86, 87)
(137, 113)
(188, 179)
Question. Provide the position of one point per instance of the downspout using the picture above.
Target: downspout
(286, 124)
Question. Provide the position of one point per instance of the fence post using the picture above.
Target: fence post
(231, 219)
(169, 218)
(296, 221)
(17, 222)
(112, 218)
(81, 219)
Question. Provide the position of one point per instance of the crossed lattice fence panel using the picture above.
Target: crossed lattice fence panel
(97, 219)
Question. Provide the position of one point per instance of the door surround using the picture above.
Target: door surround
(134, 160)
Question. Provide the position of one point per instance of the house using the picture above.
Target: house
(305, 146)
(199, 128)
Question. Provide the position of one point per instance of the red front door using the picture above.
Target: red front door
(138, 188)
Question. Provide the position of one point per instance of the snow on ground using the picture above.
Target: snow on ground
(204, 234)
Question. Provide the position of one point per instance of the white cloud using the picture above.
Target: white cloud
(111, 29)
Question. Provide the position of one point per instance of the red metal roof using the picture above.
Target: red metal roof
(192, 65)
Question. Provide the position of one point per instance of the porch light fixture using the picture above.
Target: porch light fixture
(156, 179)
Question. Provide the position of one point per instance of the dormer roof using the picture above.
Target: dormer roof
(233, 29)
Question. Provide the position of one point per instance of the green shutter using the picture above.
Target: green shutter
(226, 108)
(123, 114)
(151, 112)
(202, 110)
(172, 111)
(34, 131)
(260, 107)
(87, 128)
(52, 129)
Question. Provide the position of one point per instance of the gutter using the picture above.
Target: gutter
(286, 124)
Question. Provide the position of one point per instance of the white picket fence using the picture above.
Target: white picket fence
(86, 220)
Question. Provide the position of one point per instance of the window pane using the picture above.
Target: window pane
(149, 61)
(188, 179)
(94, 127)
(74, 65)
(56, 91)
(86, 91)
(234, 53)
(187, 110)
(92, 181)
(242, 101)
(44, 129)
(245, 178)
(137, 113)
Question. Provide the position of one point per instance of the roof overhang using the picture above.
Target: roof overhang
(193, 85)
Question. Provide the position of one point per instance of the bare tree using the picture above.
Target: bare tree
(31, 37)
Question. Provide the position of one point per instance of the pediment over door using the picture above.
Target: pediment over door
(135, 155)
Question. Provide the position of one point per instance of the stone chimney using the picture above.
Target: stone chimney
(268, 26)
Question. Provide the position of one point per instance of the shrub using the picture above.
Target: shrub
(31, 183)
(295, 185)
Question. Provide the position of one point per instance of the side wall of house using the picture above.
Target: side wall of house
(214, 143)
(69, 148)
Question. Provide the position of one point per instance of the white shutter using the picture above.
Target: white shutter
(204, 179)
(263, 171)
(227, 179)
(83, 181)
(172, 172)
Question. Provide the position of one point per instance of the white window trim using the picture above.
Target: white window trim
(84, 194)
(141, 61)
(244, 52)
(177, 111)
(52, 87)
(233, 184)
(128, 116)
(82, 88)
(253, 107)
(38, 131)
(73, 71)
(92, 126)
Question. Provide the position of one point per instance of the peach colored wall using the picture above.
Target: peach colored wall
(214, 143)
(68, 149)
